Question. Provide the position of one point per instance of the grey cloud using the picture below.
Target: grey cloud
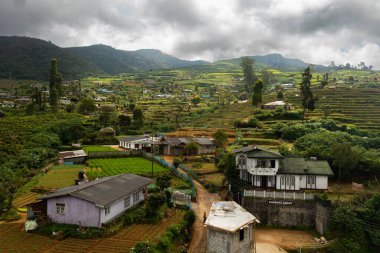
(204, 28)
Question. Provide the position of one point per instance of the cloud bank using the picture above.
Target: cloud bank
(314, 31)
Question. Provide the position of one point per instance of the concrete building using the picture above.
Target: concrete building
(230, 229)
(268, 169)
(137, 142)
(94, 203)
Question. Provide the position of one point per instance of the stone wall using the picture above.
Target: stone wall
(290, 213)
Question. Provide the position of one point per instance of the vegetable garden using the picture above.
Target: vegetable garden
(13, 239)
(114, 166)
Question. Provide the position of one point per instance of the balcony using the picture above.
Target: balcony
(257, 170)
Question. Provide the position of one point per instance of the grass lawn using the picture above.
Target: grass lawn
(59, 176)
(201, 168)
(216, 178)
(98, 148)
(114, 166)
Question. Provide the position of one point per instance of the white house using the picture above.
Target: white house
(97, 202)
(230, 229)
(269, 169)
(136, 142)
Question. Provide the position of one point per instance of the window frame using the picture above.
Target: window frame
(134, 196)
(128, 197)
(60, 208)
(107, 210)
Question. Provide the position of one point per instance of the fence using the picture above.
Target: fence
(113, 154)
(316, 245)
(279, 195)
(174, 170)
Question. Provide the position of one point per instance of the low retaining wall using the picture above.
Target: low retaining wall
(313, 213)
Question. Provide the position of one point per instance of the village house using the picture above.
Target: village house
(230, 229)
(176, 146)
(94, 203)
(137, 142)
(167, 145)
(268, 169)
(278, 104)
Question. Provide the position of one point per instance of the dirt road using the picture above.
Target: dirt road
(204, 202)
(271, 240)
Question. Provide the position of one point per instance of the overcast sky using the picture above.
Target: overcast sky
(315, 31)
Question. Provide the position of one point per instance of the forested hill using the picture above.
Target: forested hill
(276, 61)
(29, 58)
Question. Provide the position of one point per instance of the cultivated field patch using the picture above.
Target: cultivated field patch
(114, 166)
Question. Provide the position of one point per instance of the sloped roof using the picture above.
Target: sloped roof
(258, 152)
(203, 141)
(229, 216)
(71, 154)
(133, 138)
(103, 191)
(301, 166)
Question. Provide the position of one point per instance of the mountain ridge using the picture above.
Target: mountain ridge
(29, 58)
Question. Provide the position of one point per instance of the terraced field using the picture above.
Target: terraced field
(14, 240)
(359, 106)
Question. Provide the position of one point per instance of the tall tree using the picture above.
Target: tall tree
(308, 102)
(138, 116)
(257, 96)
(220, 138)
(265, 76)
(55, 82)
(249, 76)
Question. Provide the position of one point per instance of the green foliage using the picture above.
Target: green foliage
(138, 117)
(357, 224)
(164, 181)
(249, 76)
(191, 148)
(142, 247)
(189, 219)
(107, 115)
(220, 138)
(257, 97)
(307, 95)
(195, 100)
(68, 230)
(228, 165)
(86, 106)
(10, 215)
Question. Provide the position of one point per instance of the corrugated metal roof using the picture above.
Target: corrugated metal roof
(105, 190)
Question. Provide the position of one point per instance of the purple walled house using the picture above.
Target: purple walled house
(95, 203)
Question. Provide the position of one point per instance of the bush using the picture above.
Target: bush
(189, 219)
(142, 247)
(10, 215)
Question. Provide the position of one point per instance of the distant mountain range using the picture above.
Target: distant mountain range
(29, 58)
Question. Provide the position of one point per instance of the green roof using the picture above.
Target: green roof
(258, 152)
(301, 166)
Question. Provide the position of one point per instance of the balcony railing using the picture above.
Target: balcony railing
(279, 195)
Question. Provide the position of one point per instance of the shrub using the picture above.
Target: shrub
(142, 247)
(10, 215)
(189, 219)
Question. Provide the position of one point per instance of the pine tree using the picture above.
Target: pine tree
(308, 102)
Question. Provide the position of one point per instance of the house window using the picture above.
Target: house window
(261, 163)
(241, 234)
(60, 208)
(311, 180)
(273, 163)
(107, 210)
(127, 201)
(282, 180)
(242, 160)
(136, 196)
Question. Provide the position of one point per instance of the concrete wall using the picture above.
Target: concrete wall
(218, 241)
(77, 211)
(288, 212)
(280, 212)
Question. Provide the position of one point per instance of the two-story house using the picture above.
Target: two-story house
(269, 169)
